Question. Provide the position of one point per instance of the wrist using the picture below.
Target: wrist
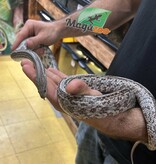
(65, 30)
(129, 125)
(61, 28)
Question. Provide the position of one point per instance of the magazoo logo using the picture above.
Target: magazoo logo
(91, 19)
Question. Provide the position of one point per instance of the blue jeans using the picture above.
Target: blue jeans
(90, 149)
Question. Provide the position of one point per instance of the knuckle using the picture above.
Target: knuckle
(29, 21)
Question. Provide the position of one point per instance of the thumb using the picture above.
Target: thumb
(34, 42)
(79, 87)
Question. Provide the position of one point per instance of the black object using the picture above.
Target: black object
(104, 39)
(62, 6)
(91, 57)
(83, 60)
(68, 6)
(83, 2)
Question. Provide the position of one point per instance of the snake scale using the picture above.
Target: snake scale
(118, 94)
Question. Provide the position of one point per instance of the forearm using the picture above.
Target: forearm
(48, 33)
(129, 125)
(122, 11)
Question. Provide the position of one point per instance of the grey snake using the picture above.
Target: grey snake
(118, 94)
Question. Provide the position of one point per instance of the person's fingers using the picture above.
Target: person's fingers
(52, 81)
(79, 87)
(57, 72)
(34, 42)
(28, 69)
(22, 34)
(75, 87)
(52, 85)
(17, 41)
(55, 75)
(56, 79)
(26, 61)
(29, 30)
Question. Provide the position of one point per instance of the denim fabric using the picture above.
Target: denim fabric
(90, 150)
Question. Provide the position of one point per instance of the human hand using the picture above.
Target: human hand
(129, 125)
(38, 33)
(53, 79)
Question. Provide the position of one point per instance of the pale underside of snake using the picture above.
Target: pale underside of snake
(118, 94)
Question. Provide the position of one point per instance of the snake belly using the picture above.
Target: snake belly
(118, 94)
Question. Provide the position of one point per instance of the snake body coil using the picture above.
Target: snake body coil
(119, 94)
